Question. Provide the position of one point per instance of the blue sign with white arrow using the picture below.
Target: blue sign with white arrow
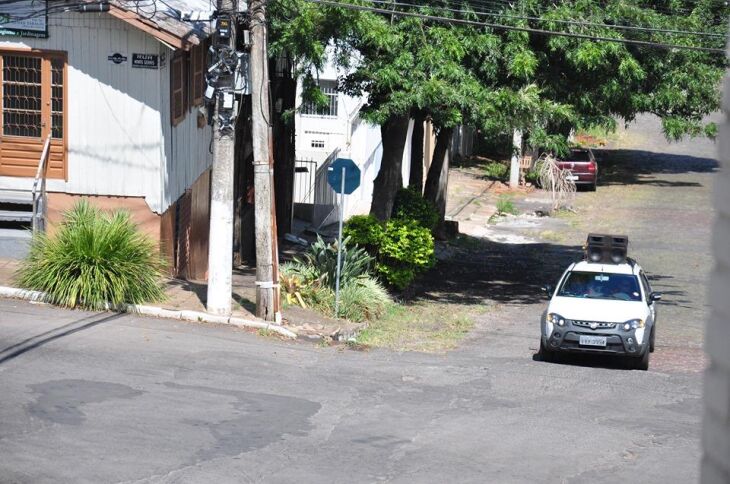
(351, 174)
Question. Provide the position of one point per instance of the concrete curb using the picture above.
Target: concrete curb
(183, 315)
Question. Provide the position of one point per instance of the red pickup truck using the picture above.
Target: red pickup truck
(582, 167)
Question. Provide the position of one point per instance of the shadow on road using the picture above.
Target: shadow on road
(479, 270)
(638, 167)
(609, 362)
(13, 351)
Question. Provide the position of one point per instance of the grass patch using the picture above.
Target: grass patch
(423, 326)
(505, 205)
(551, 236)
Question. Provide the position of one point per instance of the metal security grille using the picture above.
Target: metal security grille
(21, 96)
(329, 89)
(57, 98)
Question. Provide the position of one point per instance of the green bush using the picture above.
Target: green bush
(410, 205)
(496, 171)
(94, 258)
(407, 250)
(505, 206)
(320, 262)
(365, 231)
(361, 299)
(402, 249)
(364, 300)
(533, 174)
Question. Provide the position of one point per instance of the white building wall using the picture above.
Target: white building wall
(118, 116)
(716, 425)
(355, 138)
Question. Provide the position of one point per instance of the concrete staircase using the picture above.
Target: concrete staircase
(16, 206)
(16, 220)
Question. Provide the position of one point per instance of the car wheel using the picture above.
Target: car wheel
(592, 187)
(546, 354)
(652, 338)
(642, 363)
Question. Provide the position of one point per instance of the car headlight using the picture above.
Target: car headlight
(633, 324)
(556, 319)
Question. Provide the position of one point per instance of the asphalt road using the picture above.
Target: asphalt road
(118, 398)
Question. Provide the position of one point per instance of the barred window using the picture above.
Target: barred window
(329, 88)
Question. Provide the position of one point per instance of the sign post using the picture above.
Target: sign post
(343, 176)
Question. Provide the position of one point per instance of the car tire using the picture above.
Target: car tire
(642, 363)
(652, 338)
(545, 354)
(592, 187)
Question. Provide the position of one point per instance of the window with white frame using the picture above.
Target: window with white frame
(329, 89)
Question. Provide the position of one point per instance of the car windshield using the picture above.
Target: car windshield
(600, 285)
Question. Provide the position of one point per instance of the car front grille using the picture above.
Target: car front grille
(592, 324)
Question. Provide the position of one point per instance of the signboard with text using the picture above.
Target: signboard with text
(24, 18)
(146, 61)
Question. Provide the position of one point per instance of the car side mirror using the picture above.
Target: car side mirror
(655, 296)
(548, 290)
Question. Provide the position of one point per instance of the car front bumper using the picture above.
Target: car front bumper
(617, 342)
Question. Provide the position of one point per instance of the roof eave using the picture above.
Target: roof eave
(150, 27)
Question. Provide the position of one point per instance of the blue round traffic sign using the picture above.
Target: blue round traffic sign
(351, 175)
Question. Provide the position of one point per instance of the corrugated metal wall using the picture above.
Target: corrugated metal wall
(120, 140)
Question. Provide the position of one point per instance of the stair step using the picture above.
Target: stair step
(15, 216)
(21, 197)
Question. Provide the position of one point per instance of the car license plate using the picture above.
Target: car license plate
(593, 340)
(571, 177)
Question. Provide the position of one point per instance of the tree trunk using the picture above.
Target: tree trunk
(394, 133)
(438, 173)
(284, 90)
(415, 180)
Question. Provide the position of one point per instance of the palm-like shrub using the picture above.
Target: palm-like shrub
(95, 259)
(320, 262)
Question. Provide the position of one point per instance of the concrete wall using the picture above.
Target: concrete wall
(716, 426)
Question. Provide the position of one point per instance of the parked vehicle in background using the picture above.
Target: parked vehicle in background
(582, 166)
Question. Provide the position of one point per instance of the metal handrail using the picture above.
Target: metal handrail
(39, 199)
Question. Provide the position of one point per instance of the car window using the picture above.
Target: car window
(600, 285)
(579, 155)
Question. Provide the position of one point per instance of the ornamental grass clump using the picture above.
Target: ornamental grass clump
(94, 260)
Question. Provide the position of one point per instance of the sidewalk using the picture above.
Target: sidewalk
(191, 296)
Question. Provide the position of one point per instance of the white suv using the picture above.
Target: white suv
(601, 308)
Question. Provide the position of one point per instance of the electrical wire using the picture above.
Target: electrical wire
(559, 21)
(497, 26)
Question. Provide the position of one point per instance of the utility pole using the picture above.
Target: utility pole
(268, 302)
(221, 92)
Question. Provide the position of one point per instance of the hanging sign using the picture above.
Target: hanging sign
(24, 18)
(146, 61)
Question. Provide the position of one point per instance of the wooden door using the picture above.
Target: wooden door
(33, 106)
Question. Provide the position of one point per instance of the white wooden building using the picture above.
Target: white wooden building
(121, 95)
